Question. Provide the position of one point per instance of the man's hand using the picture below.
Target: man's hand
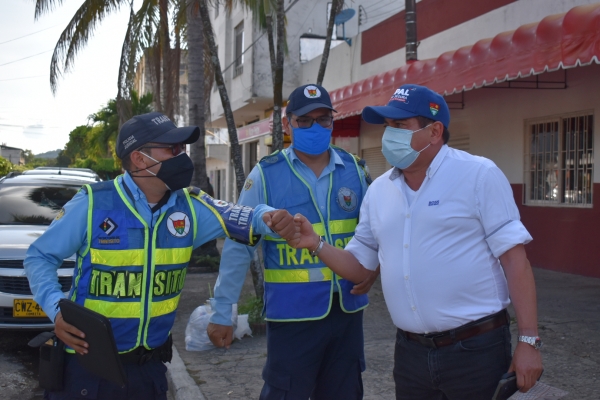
(220, 335)
(365, 286)
(282, 223)
(527, 363)
(70, 335)
(306, 237)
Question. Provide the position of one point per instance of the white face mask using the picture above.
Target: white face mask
(396, 148)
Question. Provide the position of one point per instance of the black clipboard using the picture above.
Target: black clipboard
(102, 358)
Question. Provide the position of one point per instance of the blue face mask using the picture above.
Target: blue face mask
(396, 148)
(314, 140)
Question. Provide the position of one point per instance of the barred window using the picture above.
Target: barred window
(559, 161)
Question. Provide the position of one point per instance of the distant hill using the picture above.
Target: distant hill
(48, 154)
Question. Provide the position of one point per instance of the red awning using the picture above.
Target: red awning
(558, 41)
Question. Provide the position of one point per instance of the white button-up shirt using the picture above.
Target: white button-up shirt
(439, 255)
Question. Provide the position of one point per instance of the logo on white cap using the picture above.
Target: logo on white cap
(312, 92)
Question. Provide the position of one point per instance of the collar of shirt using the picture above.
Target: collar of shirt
(334, 158)
(140, 200)
(433, 167)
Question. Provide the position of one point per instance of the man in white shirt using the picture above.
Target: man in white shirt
(444, 227)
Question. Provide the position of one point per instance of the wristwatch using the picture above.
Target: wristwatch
(316, 251)
(534, 341)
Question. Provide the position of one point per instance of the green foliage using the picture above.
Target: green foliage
(5, 166)
(252, 306)
(28, 156)
(207, 261)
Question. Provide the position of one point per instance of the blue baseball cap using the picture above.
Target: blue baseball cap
(409, 101)
(152, 127)
(306, 98)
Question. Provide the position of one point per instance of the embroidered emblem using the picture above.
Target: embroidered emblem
(347, 199)
(402, 95)
(178, 224)
(248, 184)
(108, 226)
(312, 92)
(270, 160)
(434, 108)
(60, 214)
(434, 203)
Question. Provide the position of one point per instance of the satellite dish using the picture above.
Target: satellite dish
(344, 16)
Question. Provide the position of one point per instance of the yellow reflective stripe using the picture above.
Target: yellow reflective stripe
(118, 258)
(298, 275)
(319, 229)
(112, 309)
(342, 226)
(172, 256)
(163, 307)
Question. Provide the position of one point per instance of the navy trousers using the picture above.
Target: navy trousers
(469, 369)
(320, 360)
(144, 382)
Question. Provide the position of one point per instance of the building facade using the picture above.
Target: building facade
(12, 154)
(521, 79)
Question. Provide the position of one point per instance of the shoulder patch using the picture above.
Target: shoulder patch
(60, 214)
(248, 184)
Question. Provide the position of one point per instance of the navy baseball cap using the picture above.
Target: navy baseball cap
(410, 101)
(152, 127)
(306, 98)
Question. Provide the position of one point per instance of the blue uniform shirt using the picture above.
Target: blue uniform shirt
(67, 235)
(236, 257)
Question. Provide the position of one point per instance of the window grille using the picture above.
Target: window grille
(559, 161)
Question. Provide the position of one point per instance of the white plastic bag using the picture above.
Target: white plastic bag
(243, 327)
(196, 337)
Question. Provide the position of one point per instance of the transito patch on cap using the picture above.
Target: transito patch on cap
(312, 92)
(402, 95)
(434, 108)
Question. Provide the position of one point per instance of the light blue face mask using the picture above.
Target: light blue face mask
(396, 148)
(314, 140)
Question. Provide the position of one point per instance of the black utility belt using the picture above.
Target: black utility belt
(141, 355)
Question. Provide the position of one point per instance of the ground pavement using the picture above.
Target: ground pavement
(569, 320)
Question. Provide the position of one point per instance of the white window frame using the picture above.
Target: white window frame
(559, 176)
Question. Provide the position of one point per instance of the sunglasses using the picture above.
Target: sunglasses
(176, 148)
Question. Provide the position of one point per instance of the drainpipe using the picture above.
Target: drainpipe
(410, 12)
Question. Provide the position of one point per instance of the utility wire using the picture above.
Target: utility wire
(29, 34)
(25, 58)
(25, 77)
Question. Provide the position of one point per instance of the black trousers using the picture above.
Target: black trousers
(469, 369)
(322, 359)
(144, 382)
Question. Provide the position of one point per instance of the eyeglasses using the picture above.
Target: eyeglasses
(306, 122)
(176, 148)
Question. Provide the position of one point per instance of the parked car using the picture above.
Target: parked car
(83, 172)
(28, 204)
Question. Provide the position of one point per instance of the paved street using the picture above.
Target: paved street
(569, 310)
(18, 367)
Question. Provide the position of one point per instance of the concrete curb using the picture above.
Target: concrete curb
(181, 384)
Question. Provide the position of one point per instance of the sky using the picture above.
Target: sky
(31, 117)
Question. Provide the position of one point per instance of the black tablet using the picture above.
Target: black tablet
(102, 358)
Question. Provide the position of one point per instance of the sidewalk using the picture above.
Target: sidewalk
(569, 321)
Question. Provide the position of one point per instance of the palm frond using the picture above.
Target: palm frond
(77, 33)
(44, 6)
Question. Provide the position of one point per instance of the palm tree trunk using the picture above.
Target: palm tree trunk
(165, 55)
(236, 153)
(277, 68)
(196, 94)
(336, 7)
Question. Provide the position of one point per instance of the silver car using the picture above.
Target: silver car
(28, 204)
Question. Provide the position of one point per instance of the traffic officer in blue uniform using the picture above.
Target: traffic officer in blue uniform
(314, 328)
(133, 238)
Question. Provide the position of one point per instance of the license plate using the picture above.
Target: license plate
(27, 308)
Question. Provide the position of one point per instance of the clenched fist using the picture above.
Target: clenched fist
(282, 223)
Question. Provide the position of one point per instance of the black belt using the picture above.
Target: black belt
(471, 329)
(141, 355)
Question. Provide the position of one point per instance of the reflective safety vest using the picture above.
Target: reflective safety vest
(297, 286)
(131, 273)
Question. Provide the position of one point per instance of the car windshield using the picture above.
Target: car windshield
(33, 205)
